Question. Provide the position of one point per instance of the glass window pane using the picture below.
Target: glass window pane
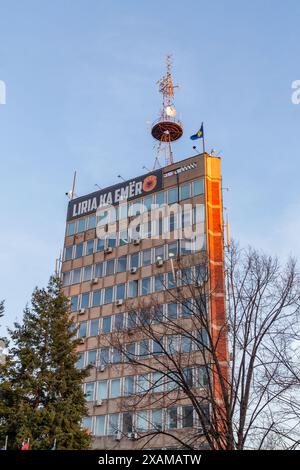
(104, 356)
(160, 198)
(131, 320)
(129, 385)
(122, 264)
(82, 329)
(130, 351)
(116, 356)
(198, 187)
(148, 201)
(119, 321)
(159, 253)
(94, 327)
(157, 420)
(87, 423)
(157, 382)
(172, 418)
(92, 221)
(172, 250)
(146, 255)
(159, 282)
(120, 292)
(92, 357)
(127, 422)
(146, 286)
(142, 421)
(81, 225)
(123, 237)
(68, 253)
(102, 390)
(110, 267)
(99, 270)
(106, 324)
(143, 383)
(172, 195)
(158, 346)
(108, 295)
(67, 278)
(144, 347)
(71, 228)
(172, 311)
(89, 391)
(114, 388)
(85, 300)
(76, 276)
(87, 273)
(186, 344)
(113, 423)
(185, 191)
(78, 250)
(133, 289)
(187, 416)
(100, 425)
(171, 282)
(96, 298)
(80, 360)
(134, 260)
(89, 247)
(100, 244)
(74, 303)
(187, 308)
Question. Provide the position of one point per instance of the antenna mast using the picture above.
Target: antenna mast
(167, 128)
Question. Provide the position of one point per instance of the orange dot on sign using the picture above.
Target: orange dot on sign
(149, 183)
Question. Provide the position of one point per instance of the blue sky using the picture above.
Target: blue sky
(81, 90)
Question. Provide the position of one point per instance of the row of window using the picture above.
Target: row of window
(149, 229)
(145, 348)
(141, 384)
(127, 262)
(175, 417)
(137, 287)
(170, 196)
(129, 320)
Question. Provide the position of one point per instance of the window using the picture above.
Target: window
(158, 313)
(96, 298)
(172, 382)
(111, 241)
(68, 253)
(146, 286)
(172, 311)
(148, 201)
(187, 308)
(85, 300)
(188, 376)
(67, 278)
(92, 357)
(116, 356)
(144, 347)
(198, 214)
(198, 187)
(187, 276)
(80, 360)
(172, 344)
(76, 276)
(202, 379)
(157, 420)
(119, 321)
(171, 282)
(87, 273)
(131, 320)
(71, 228)
(159, 253)
(89, 250)
(122, 264)
(123, 211)
(186, 217)
(159, 282)
(186, 246)
(82, 329)
(78, 250)
(172, 250)
(143, 383)
(99, 270)
(157, 346)
(134, 260)
(81, 225)
(203, 338)
(102, 390)
(108, 295)
(146, 257)
(187, 416)
(127, 422)
(141, 421)
(87, 423)
(110, 267)
(100, 425)
(133, 288)
(94, 326)
(74, 303)
(104, 356)
(130, 351)
(123, 237)
(114, 388)
(157, 382)
(106, 325)
(89, 391)
(129, 385)
(200, 274)
(91, 222)
(100, 244)
(113, 423)
(185, 191)
(172, 195)
(160, 199)
(172, 418)
(120, 294)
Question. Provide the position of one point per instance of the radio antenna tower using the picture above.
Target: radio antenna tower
(167, 128)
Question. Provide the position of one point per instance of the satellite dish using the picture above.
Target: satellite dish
(170, 111)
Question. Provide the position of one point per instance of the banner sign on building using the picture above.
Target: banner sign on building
(137, 187)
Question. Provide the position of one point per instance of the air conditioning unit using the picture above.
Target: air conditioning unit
(119, 302)
(136, 241)
(117, 436)
(133, 270)
(101, 368)
(95, 280)
(81, 340)
(98, 403)
(132, 436)
(108, 250)
(159, 262)
(81, 311)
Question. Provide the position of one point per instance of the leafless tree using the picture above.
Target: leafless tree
(246, 399)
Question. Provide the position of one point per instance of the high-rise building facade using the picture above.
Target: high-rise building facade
(125, 251)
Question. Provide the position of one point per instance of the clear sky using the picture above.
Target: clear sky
(81, 89)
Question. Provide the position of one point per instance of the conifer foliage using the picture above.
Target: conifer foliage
(42, 388)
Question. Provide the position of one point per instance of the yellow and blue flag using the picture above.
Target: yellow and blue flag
(199, 134)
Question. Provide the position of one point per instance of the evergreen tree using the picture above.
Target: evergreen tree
(43, 385)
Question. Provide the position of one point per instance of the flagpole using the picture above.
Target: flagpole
(203, 140)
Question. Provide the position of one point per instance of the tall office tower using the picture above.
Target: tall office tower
(143, 264)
